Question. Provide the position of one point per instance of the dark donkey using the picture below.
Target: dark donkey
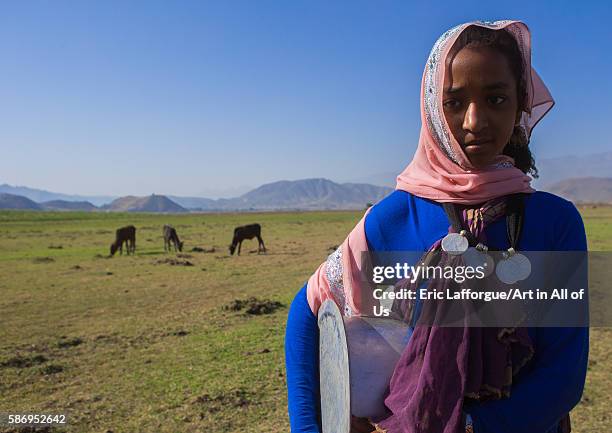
(125, 235)
(247, 232)
(171, 237)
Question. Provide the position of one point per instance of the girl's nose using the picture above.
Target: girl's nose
(475, 119)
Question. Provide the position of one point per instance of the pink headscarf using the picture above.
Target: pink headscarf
(439, 171)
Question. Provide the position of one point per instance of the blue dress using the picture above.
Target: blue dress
(545, 390)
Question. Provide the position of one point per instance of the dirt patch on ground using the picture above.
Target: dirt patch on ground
(173, 262)
(203, 250)
(69, 342)
(184, 256)
(39, 429)
(108, 339)
(235, 398)
(178, 333)
(254, 306)
(56, 247)
(51, 369)
(264, 350)
(43, 260)
(141, 340)
(23, 361)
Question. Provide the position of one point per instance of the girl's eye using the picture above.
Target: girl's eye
(496, 100)
(451, 104)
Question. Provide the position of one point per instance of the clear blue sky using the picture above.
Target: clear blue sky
(198, 97)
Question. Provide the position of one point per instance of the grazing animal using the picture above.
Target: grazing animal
(247, 232)
(125, 235)
(170, 236)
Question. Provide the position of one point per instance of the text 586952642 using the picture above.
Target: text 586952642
(32, 419)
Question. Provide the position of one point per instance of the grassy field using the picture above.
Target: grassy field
(139, 344)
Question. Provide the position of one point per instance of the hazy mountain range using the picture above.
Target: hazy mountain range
(551, 170)
(39, 195)
(581, 179)
(152, 203)
(11, 201)
(307, 194)
(584, 189)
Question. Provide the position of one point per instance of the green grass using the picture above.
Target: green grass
(158, 351)
(131, 373)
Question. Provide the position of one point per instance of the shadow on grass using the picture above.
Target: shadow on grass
(150, 253)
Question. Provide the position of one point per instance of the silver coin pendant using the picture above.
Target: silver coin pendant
(523, 266)
(455, 244)
(515, 268)
(506, 271)
(474, 258)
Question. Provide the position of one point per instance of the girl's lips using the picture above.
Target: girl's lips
(478, 147)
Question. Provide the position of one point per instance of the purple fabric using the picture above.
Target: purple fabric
(441, 366)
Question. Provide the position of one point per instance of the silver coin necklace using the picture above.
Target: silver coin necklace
(514, 266)
(464, 243)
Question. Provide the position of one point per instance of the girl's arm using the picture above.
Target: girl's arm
(546, 393)
(302, 363)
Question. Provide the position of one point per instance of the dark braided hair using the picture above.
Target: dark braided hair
(504, 42)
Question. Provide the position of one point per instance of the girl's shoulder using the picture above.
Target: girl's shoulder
(559, 218)
(401, 205)
(552, 208)
(551, 201)
(402, 219)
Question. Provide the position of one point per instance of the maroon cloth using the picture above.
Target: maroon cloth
(442, 366)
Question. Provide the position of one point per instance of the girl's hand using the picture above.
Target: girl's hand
(361, 425)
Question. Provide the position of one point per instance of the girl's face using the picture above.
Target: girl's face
(480, 102)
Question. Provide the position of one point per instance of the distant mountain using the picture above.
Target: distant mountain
(584, 189)
(557, 175)
(307, 194)
(553, 170)
(152, 203)
(12, 201)
(220, 191)
(39, 195)
(68, 205)
(196, 203)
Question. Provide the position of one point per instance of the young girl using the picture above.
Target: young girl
(480, 100)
